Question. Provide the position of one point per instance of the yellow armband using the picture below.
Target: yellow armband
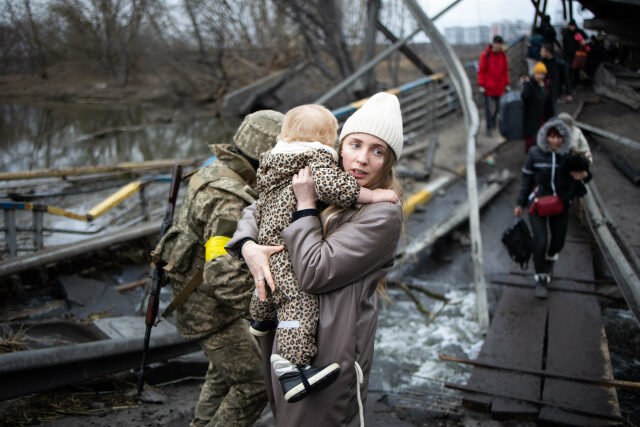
(215, 247)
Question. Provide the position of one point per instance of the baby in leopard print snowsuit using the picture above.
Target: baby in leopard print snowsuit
(307, 138)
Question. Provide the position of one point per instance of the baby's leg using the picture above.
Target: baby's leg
(297, 313)
(262, 310)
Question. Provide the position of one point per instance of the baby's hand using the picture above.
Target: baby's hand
(382, 195)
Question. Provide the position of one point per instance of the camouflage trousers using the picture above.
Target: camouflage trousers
(233, 394)
(297, 312)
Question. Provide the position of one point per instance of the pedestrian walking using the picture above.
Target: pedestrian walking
(547, 31)
(573, 48)
(493, 79)
(558, 75)
(551, 178)
(536, 99)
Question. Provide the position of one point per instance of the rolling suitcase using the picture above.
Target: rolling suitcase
(511, 115)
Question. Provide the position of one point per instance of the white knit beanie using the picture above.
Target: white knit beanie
(380, 116)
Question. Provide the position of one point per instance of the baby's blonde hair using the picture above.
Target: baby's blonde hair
(310, 122)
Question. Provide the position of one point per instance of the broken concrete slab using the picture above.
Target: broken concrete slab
(88, 296)
(131, 327)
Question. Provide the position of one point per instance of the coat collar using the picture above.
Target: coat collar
(235, 161)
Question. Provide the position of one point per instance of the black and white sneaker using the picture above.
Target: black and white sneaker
(297, 381)
(261, 328)
(297, 385)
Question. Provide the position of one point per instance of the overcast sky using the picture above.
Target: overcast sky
(484, 12)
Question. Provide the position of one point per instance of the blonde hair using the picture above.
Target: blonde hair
(385, 178)
(308, 123)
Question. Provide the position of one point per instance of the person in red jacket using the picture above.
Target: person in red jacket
(493, 78)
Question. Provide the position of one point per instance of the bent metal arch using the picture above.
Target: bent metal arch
(463, 87)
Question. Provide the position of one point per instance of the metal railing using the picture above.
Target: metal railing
(37, 227)
(426, 104)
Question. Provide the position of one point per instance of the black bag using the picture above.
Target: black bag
(517, 240)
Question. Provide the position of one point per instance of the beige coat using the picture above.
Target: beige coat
(343, 270)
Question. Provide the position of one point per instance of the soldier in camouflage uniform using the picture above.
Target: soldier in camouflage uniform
(193, 252)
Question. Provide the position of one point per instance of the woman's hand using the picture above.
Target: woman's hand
(304, 189)
(579, 175)
(518, 211)
(257, 258)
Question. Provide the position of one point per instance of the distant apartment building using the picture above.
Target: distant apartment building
(454, 35)
(483, 34)
(467, 35)
(510, 30)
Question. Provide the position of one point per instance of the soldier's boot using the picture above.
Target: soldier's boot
(261, 328)
(297, 381)
(542, 282)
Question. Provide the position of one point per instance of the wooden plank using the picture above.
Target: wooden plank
(577, 345)
(633, 385)
(574, 260)
(556, 284)
(618, 419)
(131, 285)
(515, 340)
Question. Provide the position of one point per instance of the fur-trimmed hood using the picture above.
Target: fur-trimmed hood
(564, 131)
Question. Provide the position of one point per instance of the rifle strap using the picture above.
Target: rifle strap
(182, 296)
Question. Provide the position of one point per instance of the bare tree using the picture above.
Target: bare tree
(191, 7)
(38, 57)
(373, 9)
(26, 38)
(320, 24)
(131, 48)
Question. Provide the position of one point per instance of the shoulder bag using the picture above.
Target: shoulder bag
(548, 205)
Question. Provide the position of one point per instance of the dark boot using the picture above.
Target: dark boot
(542, 282)
(551, 261)
(261, 328)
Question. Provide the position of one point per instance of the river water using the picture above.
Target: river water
(45, 137)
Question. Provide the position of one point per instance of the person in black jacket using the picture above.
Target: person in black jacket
(550, 169)
(570, 45)
(536, 101)
(547, 30)
(558, 75)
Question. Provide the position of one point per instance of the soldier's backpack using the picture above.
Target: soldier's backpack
(518, 242)
(181, 249)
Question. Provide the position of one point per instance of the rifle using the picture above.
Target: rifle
(158, 278)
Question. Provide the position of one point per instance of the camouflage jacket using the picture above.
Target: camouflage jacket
(194, 245)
